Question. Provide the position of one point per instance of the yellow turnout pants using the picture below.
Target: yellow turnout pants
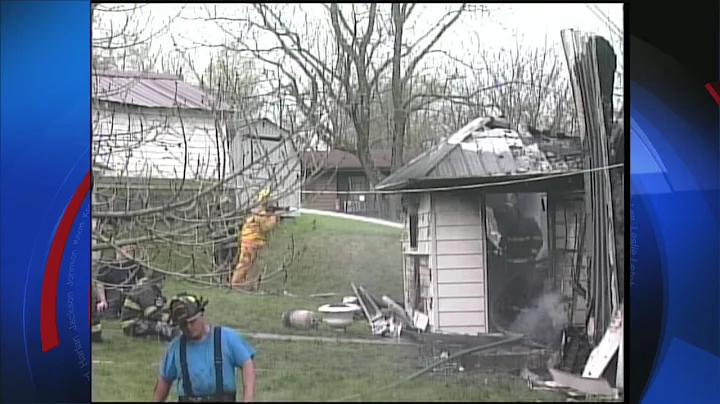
(243, 276)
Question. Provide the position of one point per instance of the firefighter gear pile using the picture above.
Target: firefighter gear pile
(143, 314)
(252, 239)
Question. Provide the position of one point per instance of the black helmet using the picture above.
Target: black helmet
(183, 306)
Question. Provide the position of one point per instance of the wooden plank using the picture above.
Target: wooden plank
(464, 289)
(460, 276)
(460, 261)
(460, 304)
(471, 318)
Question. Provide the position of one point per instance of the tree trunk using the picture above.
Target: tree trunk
(399, 115)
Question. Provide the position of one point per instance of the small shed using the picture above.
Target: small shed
(484, 209)
(268, 158)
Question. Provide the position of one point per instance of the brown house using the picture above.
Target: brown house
(334, 181)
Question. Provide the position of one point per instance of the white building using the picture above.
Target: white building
(157, 126)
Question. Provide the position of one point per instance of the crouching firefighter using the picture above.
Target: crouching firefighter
(204, 358)
(142, 312)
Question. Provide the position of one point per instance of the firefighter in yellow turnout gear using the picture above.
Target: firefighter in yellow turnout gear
(252, 239)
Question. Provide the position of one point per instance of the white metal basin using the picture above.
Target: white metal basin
(338, 315)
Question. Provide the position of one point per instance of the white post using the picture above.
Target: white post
(620, 373)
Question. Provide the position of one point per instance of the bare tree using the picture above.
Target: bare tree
(334, 79)
(353, 76)
(165, 177)
(122, 37)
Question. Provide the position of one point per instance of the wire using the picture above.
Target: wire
(472, 186)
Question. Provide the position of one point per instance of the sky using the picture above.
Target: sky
(532, 25)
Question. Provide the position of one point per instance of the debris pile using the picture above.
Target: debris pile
(386, 317)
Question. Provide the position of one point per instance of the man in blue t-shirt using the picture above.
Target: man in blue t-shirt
(204, 358)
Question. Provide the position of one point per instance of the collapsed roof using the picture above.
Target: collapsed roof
(487, 148)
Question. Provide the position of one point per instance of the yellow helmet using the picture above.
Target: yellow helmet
(263, 195)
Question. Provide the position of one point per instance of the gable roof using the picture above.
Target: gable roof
(487, 147)
(151, 90)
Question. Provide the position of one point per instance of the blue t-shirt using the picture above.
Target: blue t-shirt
(201, 364)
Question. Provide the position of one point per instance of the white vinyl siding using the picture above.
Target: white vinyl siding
(461, 268)
(142, 142)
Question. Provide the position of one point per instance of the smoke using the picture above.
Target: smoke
(544, 321)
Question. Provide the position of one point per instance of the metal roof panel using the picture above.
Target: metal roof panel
(482, 149)
(152, 91)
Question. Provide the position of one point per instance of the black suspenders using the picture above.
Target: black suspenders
(187, 384)
(217, 346)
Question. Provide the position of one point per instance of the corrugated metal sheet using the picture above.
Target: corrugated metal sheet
(592, 63)
(486, 149)
(151, 90)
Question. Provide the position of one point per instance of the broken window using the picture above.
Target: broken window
(413, 217)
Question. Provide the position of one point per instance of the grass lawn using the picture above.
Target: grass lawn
(330, 253)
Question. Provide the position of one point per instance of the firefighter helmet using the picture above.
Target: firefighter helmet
(185, 306)
(263, 195)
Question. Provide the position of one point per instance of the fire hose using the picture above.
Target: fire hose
(512, 338)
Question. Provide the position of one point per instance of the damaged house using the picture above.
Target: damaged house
(521, 233)
(480, 246)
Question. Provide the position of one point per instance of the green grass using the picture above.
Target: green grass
(329, 254)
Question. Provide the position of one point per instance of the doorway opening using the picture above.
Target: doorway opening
(518, 270)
